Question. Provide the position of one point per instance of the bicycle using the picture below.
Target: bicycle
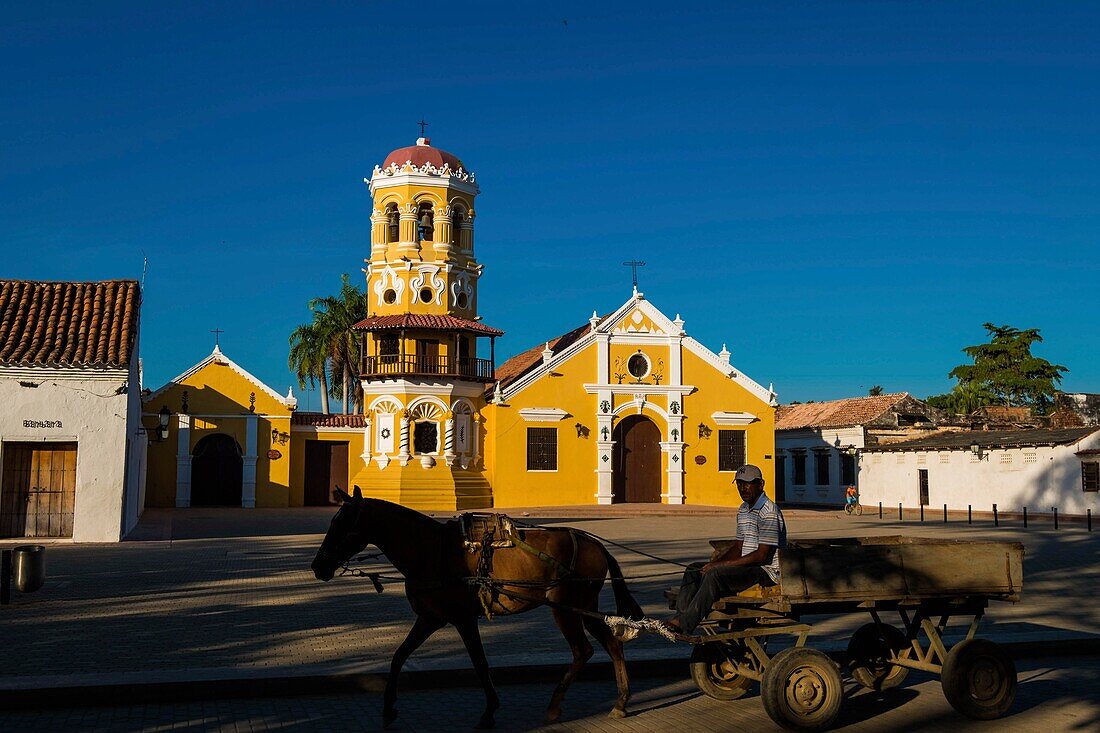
(853, 508)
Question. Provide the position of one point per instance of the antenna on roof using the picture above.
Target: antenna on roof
(144, 269)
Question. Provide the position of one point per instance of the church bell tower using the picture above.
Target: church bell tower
(425, 362)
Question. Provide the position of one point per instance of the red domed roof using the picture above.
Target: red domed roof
(420, 154)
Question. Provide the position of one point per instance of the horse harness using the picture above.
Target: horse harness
(486, 532)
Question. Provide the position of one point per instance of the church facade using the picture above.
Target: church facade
(625, 408)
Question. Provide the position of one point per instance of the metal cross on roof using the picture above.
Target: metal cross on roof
(634, 265)
(422, 124)
(217, 334)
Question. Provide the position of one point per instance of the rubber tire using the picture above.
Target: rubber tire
(814, 667)
(859, 510)
(867, 654)
(996, 672)
(705, 659)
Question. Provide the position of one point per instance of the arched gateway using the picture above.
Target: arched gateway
(637, 461)
(216, 471)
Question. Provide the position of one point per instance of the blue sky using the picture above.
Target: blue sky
(840, 192)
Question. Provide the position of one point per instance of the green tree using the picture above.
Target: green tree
(875, 391)
(308, 358)
(335, 318)
(1005, 370)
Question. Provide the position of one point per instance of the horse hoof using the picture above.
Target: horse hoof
(486, 723)
(616, 713)
(388, 717)
(552, 716)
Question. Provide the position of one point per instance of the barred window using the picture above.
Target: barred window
(847, 469)
(426, 437)
(542, 449)
(799, 469)
(731, 450)
(821, 468)
(1090, 476)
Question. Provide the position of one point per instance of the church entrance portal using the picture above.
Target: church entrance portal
(326, 470)
(216, 470)
(636, 459)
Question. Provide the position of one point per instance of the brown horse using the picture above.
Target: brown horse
(437, 568)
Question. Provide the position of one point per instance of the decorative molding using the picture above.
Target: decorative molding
(217, 357)
(726, 419)
(630, 389)
(543, 414)
(765, 395)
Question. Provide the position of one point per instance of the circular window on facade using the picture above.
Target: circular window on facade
(638, 365)
(390, 296)
(463, 300)
(426, 295)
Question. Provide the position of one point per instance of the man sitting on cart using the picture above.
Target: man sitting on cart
(752, 559)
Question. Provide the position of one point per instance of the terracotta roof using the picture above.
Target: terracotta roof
(423, 320)
(68, 323)
(836, 413)
(420, 154)
(525, 361)
(321, 420)
(990, 439)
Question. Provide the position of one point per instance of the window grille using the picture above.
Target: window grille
(921, 459)
(1090, 476)
(945, 458)
(1006, 458)
(901, 458)
(731, 450)
(426, 437)
(542, 449)
(1031, 458)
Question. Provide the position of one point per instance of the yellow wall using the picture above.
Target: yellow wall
(297, 457)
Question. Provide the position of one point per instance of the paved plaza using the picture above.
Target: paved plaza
(1055, 695)
(205, 600)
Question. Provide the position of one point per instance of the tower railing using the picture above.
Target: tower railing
(399, 365)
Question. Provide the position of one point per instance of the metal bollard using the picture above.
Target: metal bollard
(1055, 516)
(1025, 517)
(969, 515)
(900, 518)
(945, 514)
(1088, 518)
(922, 512)
(880, 510)
(29, 568)
(996, 522)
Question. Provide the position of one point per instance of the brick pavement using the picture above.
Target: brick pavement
(211, 602)
(1050, 699)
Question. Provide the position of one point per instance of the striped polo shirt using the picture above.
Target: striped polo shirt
(762, 523)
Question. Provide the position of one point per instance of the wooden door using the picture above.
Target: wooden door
(38, 490)
(427, 356)
(326, 470)
(922, 480)
(217, 471)
(780, 478)
(637, 461)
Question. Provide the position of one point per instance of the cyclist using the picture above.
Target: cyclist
(851, 496)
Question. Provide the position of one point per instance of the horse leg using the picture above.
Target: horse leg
(614, 648)
(424, 627)
(471, 637)
(573, 631)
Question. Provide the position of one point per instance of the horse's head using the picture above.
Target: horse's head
(345, 538)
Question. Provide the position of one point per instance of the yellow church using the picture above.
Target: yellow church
(625, 408)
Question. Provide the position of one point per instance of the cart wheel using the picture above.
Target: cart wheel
(801, 689)
(869, 654)
(714, 673)
(979, 679)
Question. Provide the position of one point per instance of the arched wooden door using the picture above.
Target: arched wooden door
(636, 477)
(216, 472)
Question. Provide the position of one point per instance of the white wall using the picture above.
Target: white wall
(1052, 478)
(94, 417)
(809, 440)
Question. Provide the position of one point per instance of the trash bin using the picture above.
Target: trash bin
(29, 567)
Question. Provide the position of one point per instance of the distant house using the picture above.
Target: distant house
(71, 442)
(817, 442)
(1080, 409)
(1038, 468)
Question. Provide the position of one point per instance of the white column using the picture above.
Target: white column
(449, 440)
(248, 474)
(183, 461)
(368, 425)
(604, 447)
(403, 453)
(675, 451)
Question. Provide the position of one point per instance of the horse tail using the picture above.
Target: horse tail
(625, 605)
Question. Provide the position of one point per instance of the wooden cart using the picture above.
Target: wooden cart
(925, 582)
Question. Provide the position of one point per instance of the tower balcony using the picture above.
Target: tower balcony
(394, 366)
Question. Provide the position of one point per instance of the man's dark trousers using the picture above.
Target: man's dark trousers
(699, 590)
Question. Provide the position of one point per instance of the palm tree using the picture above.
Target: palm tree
(335, 318)
(308, 357)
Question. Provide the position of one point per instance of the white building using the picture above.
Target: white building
(1038, 468)
(71, 443)
(817, 442)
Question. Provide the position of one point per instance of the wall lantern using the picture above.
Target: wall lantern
(279, 437)
(976, 450)
(704, 431)
(582, 431)
(162, 423)
(850, 450)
